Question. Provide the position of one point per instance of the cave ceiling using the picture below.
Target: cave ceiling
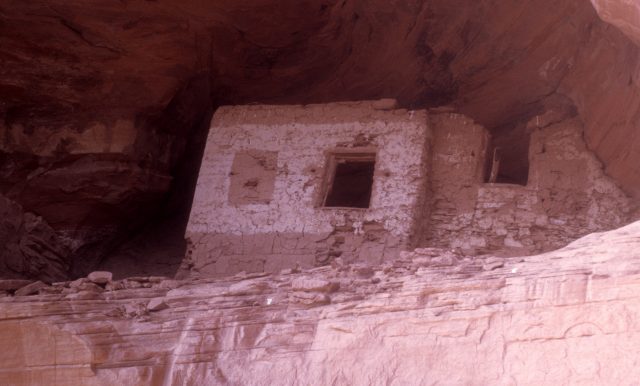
(69, 61)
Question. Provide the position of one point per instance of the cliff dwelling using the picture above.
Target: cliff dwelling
(337, 180)
(298, 186)
(319, 192)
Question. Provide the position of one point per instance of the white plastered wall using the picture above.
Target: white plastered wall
(302, 136)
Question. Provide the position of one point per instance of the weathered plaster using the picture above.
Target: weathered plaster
(257, 206)
(301, 136)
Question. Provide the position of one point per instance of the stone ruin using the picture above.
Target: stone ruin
(287, 186)
(426, 240)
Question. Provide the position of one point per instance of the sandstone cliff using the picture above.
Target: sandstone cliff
(565, 317)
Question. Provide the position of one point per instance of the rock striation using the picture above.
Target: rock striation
(625, 15)
(431, 317)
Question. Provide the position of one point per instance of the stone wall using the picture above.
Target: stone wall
(457, 152)
(567, 194)
(258, 203)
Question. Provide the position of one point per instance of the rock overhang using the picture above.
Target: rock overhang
(138, 79)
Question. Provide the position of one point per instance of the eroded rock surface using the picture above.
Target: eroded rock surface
(565, 317)
(623, 14)
(29, 247)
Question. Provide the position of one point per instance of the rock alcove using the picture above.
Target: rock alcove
(104, 108)
(104, 113)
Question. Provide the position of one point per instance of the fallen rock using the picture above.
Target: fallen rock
(446, 260)
(83, 295)
(51, 290)
(131, 284)
(157, 304)
(30, 289)
(114, 286)
(100, 277)
(89, 286)
(364, 272)
(135, 309)
(156, 279)
(147, 279)
(168, 284)
(78, 282)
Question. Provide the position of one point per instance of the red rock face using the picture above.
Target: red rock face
(625, 15)
(131, 84)
(614, 93)
(431, 317)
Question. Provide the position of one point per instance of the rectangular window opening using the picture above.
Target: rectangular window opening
(350, 180)
(508, 161)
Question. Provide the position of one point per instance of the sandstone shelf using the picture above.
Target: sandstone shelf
(432, 317)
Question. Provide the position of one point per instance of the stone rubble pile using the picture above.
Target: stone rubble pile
(309, 287)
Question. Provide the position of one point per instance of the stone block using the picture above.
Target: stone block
(100, 277)
(30, 289)
(157, 304)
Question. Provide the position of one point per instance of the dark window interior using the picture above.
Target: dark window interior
(351, 184)
(508, 161)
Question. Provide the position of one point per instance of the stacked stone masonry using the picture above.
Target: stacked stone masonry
(567, 194)
(259, 200)
(259, 203)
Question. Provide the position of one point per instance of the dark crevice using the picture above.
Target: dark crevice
(158, 247)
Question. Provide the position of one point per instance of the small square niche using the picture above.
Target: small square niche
(349, 180)
(253, 176)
